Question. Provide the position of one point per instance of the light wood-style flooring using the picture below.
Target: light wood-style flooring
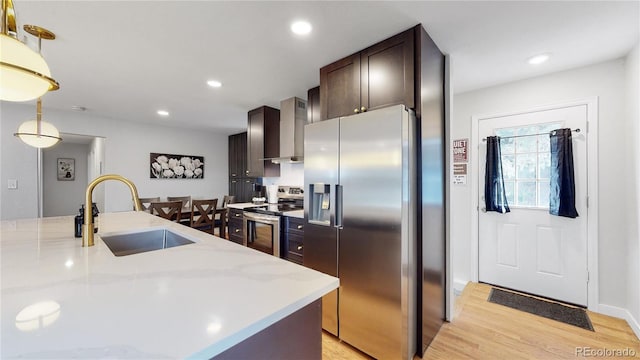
(483, 330)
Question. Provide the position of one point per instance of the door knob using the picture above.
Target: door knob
(299, 247)
(299, 227)
(363, 109)
(356, 110)
(237, 230)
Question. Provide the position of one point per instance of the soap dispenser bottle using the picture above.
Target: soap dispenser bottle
(78, 221)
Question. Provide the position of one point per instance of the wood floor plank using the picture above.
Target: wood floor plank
(484, 330)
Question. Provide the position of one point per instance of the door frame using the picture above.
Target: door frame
(592, 189)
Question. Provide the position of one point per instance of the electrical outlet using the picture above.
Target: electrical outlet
(12, 184)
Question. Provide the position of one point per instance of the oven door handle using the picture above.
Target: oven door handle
(262, 218)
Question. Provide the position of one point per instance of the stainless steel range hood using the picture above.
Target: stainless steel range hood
(293, 117)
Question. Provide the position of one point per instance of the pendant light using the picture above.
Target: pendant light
(38, 133)
(24, 75)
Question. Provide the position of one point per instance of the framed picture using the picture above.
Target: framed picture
(171, 166)
(66, 169)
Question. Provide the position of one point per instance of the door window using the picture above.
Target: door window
(526, 162)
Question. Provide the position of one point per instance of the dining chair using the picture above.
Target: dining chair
(170, 210)
(186, 200)
(221, 225)
(146, 202)
(228, 199)
(203, 214)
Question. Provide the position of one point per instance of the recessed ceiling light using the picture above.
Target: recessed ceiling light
(301, 28)
(214, 83)
(163, 113)
(538, 59)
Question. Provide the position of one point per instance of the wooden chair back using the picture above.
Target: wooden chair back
(228, 199)
(146, 202)
(186, 200)
(170, 210)
(203, 214)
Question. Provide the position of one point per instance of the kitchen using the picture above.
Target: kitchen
(19, 162)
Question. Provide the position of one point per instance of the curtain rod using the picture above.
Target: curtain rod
(517, 136)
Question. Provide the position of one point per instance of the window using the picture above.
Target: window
(526, 162)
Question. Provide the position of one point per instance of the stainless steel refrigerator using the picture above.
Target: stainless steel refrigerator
(360, 213)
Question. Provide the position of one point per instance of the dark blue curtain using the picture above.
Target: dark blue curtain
(495, 197)
(562, 194)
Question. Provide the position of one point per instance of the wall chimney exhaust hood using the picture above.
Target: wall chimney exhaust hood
(293, 117)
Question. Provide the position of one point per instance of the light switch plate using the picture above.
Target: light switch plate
(12, 184)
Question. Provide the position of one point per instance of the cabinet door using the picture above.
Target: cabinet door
(247, 192)
(255, 143)
(241, 154)
(387, 73)
(340, 88)
(234, 188)
(234, 170)
(271, 142)
(313, 105)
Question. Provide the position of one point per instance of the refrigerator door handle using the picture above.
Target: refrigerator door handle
(338, 207)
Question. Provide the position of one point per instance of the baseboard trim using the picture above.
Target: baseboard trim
(621, 313)
(458, 286)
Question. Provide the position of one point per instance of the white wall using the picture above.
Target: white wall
(290, 174)
(605, 80)
(633, 183)
(127, 148)
(64, 197)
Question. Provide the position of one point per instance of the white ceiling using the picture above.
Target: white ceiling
(127, 59)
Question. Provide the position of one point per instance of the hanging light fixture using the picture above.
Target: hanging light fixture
(24, 75)
(38, 133)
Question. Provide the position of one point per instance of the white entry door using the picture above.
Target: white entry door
(529, 249)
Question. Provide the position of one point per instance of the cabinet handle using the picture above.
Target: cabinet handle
(299, 247)
(233, 174)
(247, 172)
(237, 215)
(356, 110)
(363, 109)
(236, 230)
(300, 227)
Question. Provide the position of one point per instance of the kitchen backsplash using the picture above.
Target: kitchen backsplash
(290, 174)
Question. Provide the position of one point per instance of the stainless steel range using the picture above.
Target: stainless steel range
(263, 224)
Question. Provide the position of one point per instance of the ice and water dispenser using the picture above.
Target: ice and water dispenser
(320, 204)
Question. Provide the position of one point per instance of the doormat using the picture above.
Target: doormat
(554, 311)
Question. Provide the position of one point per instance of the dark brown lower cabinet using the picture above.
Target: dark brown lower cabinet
(236, 233)
(297, 336)
(293, 239)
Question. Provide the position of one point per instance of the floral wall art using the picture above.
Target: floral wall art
(170, 166)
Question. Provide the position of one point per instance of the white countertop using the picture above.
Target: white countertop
(191, 301)
(241, 206)
(295, 213)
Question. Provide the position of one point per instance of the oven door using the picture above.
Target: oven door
(262, 232)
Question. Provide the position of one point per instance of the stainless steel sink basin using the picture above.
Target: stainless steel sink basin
(143, 241)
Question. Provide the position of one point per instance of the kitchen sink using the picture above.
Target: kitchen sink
(143, 241)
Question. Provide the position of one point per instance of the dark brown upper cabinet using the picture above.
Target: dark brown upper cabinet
(378, 76)
(238, 155)
(263, 141)
(313, 105)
